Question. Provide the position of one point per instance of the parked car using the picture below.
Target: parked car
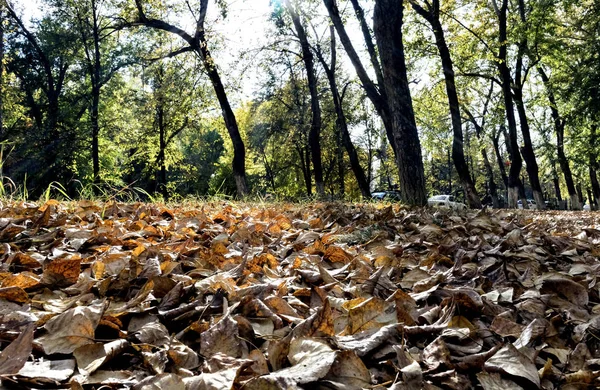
(445, 201)
(391, 195)
(530, 203)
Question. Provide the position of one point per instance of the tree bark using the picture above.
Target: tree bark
(314, 136)
(199, 44)
(341, 122)
(559, 129)
(432, 15)
(514, 181)
(387, 22)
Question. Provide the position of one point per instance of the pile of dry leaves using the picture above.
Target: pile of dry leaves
(230, 296)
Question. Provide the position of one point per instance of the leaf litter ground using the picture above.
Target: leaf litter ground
(321, 296)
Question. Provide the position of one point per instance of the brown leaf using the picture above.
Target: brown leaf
(91, 357)
(311, 360)
(62, 272)
(14, 356)
(72, 329)
(509, 360)
(14, 294)
(223, 337)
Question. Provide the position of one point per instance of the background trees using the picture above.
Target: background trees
(341, 96)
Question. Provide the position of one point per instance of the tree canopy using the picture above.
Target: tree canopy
(495, 102)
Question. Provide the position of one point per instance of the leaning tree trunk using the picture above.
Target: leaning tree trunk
(375, 93)
(514, 181)
(559, 129)
(458, 153)
(199, 44)
(387, 22)
(341, 123)
(527, 151)
(314, 136)
(239, 150)
(593, 166)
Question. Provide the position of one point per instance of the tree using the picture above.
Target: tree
(559, 129)
(514, 181)
(341, 121)
(387, 22)
(41, 62)
(314, 135)
(431, 13)
(198, 43)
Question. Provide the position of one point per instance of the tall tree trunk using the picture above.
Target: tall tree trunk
(1, 79)
(387, 22)
(199, 44)
(1, 94)
(580, 193)
(97, 71)
(514, 181)
(556, 182)
(527, 151)
(432, 15)
(499, 160)
(559, 129)
(492, 187)
(375, 93)
(305, 167)
(341, 123)
(314, 136)
(162, 145)
(593, 165)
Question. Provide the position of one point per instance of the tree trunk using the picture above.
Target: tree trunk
(1, 94)
(556, 182)
(387, 22)
(458, 153)
(375, 93)
(199, 44)
(492, 187)
(527, 151)
(314, 136)
(239, 150)
(580, 194)
(593, 159)
(305, 167)
(1, 80)
(97, 71)
(499, 160)
(341, 123)
(559, 129)
(162, 177)
(514, 181)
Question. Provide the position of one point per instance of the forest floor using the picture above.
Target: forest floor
(326, 296)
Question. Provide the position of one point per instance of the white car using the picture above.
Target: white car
(530, 204)
(445, 201)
